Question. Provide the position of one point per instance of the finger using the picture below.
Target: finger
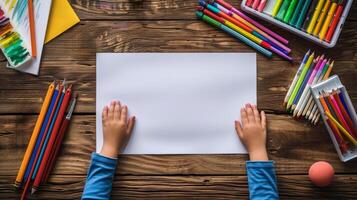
(256, 114)
(117, 110)
(239, 129)
(111, 110)
(131, 124)
(124, 114)
(263, 120)
(105, 113)
(243, 116)
(250, 114)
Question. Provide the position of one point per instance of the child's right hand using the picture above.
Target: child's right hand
(252, 132)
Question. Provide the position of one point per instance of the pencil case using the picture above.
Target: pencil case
(12, 43)
(299, 32)
(329, 85)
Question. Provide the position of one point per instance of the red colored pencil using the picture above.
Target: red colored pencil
(345, 113)
(336, 19)
(51, 141)
(29, 179)
(59, 139)
(32, 28)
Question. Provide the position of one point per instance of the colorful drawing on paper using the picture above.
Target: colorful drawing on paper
(11, 42)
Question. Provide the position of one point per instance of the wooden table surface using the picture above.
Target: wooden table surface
(169, 26)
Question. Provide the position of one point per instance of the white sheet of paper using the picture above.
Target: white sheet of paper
(42, 11)
(184, 103)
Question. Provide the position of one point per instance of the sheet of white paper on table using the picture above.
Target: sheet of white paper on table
(184, 103)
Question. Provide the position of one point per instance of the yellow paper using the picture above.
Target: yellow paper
(62, 18)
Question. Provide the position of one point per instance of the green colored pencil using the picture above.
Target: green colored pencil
(296, 14)
(300, 80)
(303, 14)
(283, 8)
(290, 11)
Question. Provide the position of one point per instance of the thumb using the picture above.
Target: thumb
(239, 129)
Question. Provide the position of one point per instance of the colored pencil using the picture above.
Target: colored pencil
(32, 28)
(29, 180)
(262, 5)
(304, 100)
(309, 15)
(247, 41)
(327, 22)
(255, 4)
(257, 24)
(321, 18)
(296, 13)
(59, 139)
(283, 8)
(344, 111)
(42, 132)
(265, 37)
(335, 20)
(249, 3)
(339, 115)
(55, 131)
(312, 80)
(302, 14)
(300, 80)
(243, 32)
(310, 72)
(290, 11)
(342, 129)
(297, 75)
(35, 134)
(277, 8)
(316, 14)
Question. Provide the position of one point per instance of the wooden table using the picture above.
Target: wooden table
(168, 26)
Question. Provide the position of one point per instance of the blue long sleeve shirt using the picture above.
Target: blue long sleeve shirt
(261, 179)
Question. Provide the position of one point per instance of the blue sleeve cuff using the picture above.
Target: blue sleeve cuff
(96, 157)
(260, 164)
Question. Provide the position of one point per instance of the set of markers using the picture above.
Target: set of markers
(46, 137)
(11, 43)
(339, 116)
(318, 20)
(227, 18)
(298, 99)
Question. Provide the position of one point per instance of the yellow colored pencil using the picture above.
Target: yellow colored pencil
(34, 135)
(316, 14)
(276, 8)
(328, 19)
(348, 135)
(321, 19)
(243, 32)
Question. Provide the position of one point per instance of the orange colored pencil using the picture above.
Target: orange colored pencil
(32, 28)
(34, 135)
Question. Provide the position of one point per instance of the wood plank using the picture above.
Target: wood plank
(187, 187)
(148, 9)
(293, 145)
(21, 93)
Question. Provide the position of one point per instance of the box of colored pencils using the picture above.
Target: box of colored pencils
(47, 136)
(320, 21)
(339, 116)
(11, 43)
(225, 17)
(298, 100)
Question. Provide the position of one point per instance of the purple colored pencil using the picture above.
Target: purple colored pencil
(250, 20)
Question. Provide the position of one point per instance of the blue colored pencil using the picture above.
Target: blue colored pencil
(42, 132)
(47, 136)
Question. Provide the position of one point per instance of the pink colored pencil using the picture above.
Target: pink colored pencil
(261, 27)
(262, 5)
(249, 3)
(255, 4)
